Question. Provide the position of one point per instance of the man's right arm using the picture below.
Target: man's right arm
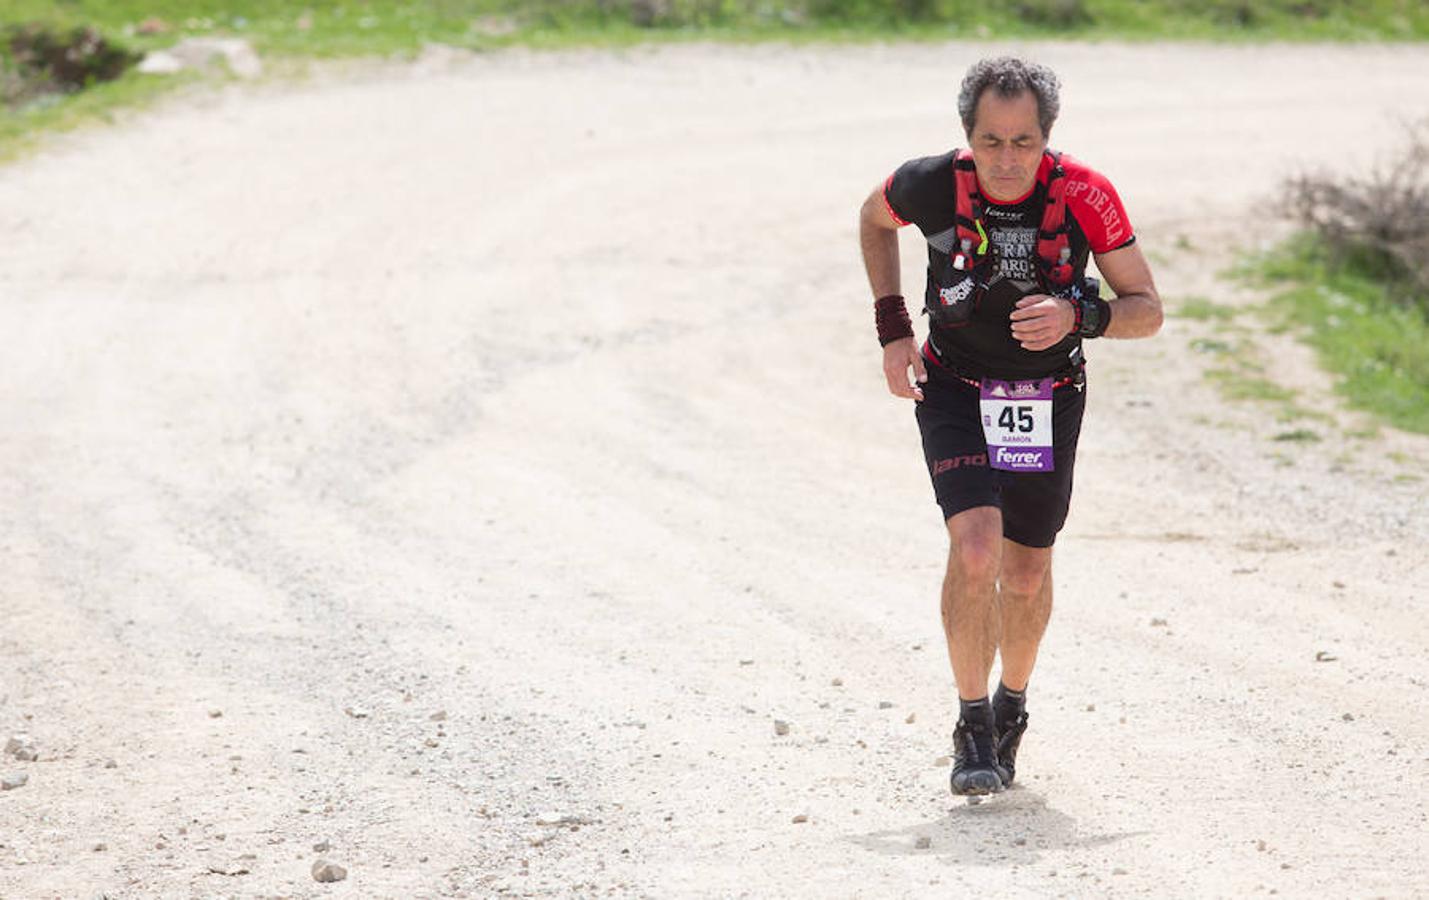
(878, 237)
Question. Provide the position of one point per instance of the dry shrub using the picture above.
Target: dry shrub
(66, 60)
(1379, 221)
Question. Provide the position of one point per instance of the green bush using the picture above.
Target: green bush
(1058, 14)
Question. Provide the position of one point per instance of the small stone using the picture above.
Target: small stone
(230, 869)
(781, 727)
(13, 780)
(1019, 842)
(215, 714)
(22, 747)
(923, 843)
(800, 819)
(1338, 584)
(432, 742)
(942, 761)
(328, 871)
(912, 717)
(1260, 846)
(885, 704)
(1324, 656)
(111, 764)
(1159, 623)
(746, 662)
(356, 712)
(821, 740)
(838, 682)
(1347, 717)
(1118, 871)
(1091, 707)
(917, 646)
(100, 847)
(322, 846)
(438, 716)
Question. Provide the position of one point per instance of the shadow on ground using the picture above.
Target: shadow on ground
(1010, 829)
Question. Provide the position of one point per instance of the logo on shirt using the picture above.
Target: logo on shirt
(1014, 248)
(1006, 214)
(1101, 204)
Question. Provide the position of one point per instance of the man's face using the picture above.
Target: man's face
(1007, 144)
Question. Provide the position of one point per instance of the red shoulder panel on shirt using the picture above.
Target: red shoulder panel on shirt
(889, 206)
(1094, 203)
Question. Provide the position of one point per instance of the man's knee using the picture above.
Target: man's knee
(1024, 570)
(1022, 581)
(975, 544)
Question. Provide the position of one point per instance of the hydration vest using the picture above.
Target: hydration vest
(1054, 250)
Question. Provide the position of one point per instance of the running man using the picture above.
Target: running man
(999, 384)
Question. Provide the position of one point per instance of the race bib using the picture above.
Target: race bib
(1017, 422)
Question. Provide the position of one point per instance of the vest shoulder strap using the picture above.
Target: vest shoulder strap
(1054, 234)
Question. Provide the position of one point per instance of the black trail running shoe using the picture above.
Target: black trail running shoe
(976, 770)
(1009, 735)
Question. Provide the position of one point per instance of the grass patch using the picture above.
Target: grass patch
(1369, 333)
(1299, 436)
(1239, 384)
(345, 27)
(1212, 345)
(1202, 309)
(21, 129)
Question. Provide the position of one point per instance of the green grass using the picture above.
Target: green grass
(1373, 335)
(1202, 309)
(345, 27)
(1240, 384)
(22, 129)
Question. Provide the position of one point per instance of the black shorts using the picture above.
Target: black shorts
(1034, 504)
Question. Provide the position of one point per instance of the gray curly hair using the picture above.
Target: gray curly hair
(1010, 76)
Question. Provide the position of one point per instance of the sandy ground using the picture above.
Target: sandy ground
(541, 392)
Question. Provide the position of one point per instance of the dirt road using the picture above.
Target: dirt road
(466, 465)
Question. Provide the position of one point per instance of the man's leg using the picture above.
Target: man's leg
(970, 624)
(1025, 597)
(970, 621)
(1025, 601)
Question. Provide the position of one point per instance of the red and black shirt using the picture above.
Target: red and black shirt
(923, 192)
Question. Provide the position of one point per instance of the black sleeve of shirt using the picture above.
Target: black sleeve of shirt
(923, 192)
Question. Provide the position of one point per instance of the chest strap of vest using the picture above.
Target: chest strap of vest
(1054, 239)
(1054, 250)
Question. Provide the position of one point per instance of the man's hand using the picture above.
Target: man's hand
(1040, 321)
(897, 357)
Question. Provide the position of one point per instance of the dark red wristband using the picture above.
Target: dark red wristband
(891, 317)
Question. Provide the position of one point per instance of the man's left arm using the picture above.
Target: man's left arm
(1040, 321)
(1136, 309)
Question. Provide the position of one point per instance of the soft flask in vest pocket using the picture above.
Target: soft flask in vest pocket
(952, 305)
